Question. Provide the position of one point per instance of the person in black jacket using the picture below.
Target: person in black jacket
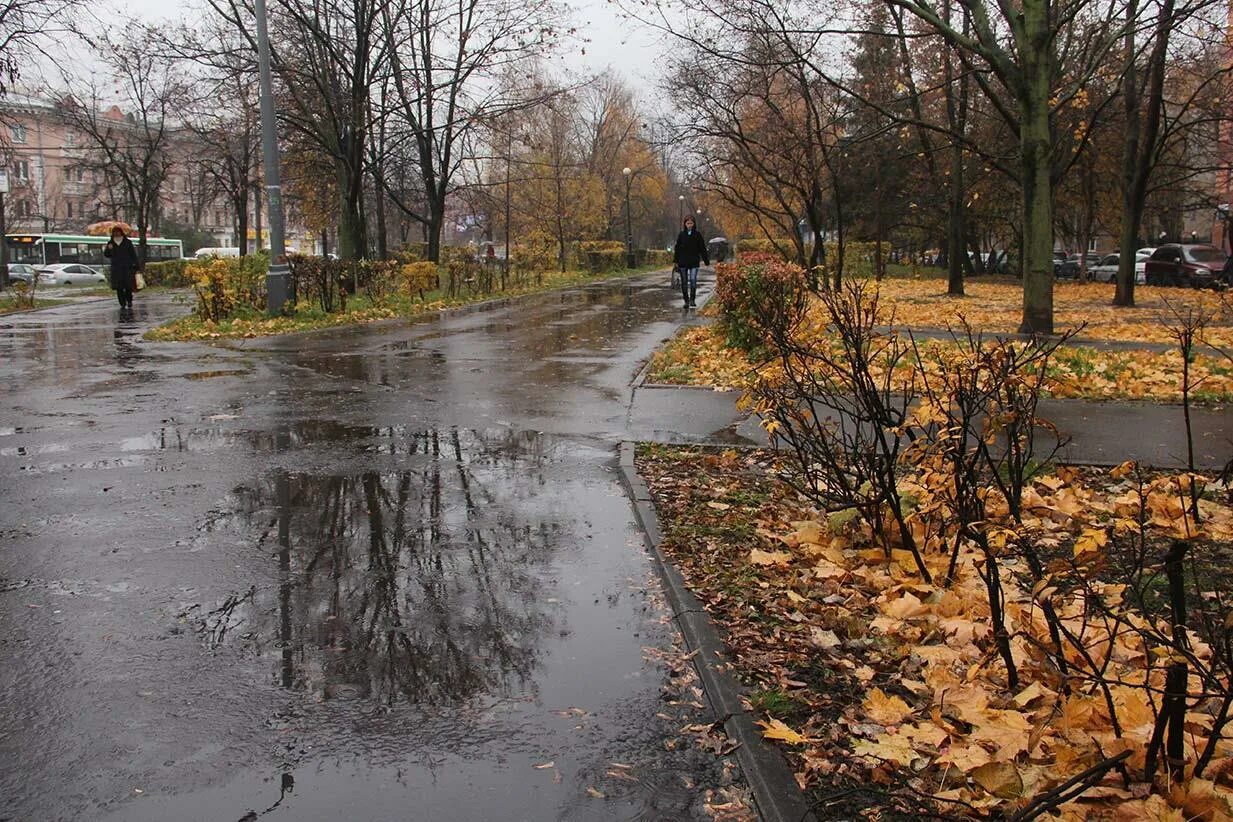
(690, 249)
(124, 266)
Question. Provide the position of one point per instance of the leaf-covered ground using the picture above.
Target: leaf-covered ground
(699, 356)
(882, 690)
(995, 305)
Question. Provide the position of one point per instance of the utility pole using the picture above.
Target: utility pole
(277, 276)
(4, 241)
(630, 260)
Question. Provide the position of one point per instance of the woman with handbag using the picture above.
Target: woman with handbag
(124, 266)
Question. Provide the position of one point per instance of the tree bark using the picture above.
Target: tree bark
(350, 222)
(1036, 168)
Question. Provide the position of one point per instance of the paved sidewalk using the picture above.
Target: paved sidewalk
(1101, 433)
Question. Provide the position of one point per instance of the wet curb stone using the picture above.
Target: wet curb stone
(778, 797)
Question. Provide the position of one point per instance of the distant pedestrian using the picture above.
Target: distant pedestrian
(689, 251)
(124, 266)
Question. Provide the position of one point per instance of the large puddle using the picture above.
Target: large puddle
(423, 584)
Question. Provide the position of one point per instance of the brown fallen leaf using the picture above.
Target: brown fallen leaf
(1001, 779)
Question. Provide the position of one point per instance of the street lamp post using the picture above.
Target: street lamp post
(276, 278)
(630, 260)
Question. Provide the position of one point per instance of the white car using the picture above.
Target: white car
(1106, 270)
(70, 274)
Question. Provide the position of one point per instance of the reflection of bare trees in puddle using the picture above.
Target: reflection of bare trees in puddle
(425, 584)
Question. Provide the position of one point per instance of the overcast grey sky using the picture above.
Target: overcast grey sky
(608, 40)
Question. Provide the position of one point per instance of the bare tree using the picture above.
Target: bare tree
(448, 61)
(327, 55)
(26, 27)
(129, 133)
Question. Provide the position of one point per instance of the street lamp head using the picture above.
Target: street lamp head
(681, 198)
(627, 171)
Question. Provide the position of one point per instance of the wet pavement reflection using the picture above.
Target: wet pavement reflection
(374, 573)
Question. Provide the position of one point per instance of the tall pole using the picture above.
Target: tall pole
(4, 241)
(630, 260)
(277, 276)
(509, 252)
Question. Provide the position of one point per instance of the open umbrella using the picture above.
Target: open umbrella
(103, 229)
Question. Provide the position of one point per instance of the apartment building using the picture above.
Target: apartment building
(56, 184)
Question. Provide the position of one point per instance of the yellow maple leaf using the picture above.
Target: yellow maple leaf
(1091, 542)
(1001, 779)
(887, 748)
(776, 729)
(777, 558)
(883, 709)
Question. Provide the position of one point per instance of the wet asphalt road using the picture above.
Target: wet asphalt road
(375, 573)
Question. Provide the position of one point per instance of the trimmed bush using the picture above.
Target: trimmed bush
(228, 286)
(600, 256)
(419, 277)
(168, 274)
(746, 289)
(657, 257)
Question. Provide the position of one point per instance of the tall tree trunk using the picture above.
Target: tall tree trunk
(258, 217)
(383, 251)
(350, 222)
(1139, 147)
(1036, 168)
(956, 115)
(433, 228)
(240, 203)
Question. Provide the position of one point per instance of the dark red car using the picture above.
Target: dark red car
(1199, 266)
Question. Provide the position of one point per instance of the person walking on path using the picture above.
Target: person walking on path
(124, 266)
(689, 251)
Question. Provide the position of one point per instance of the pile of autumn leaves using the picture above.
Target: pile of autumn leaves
(937, 717)
(979, 743)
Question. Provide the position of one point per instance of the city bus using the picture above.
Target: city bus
(46, 249)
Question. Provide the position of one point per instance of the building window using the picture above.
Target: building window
(70, 138)
(171, 183)
(18, 134)
(78, 175)
(21, 170)
(68, 207)
(23, 208)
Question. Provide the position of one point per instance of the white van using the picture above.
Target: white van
(234, 251)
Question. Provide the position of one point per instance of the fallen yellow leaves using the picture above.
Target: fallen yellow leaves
(776, 729)
(997, 306)
(699, 355)
(914, 692)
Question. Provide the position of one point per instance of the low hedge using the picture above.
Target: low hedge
(754, 287)
(168, 274)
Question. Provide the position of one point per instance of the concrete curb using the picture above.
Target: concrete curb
(778, 797)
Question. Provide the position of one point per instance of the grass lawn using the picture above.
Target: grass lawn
(11, 305)
(361, 309)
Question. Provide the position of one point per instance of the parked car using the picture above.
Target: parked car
(1198, 265)
(70, 274)
(1141, 257)
(1106, 270)
(21, 273)
(1059, 259)
(1076, 263)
